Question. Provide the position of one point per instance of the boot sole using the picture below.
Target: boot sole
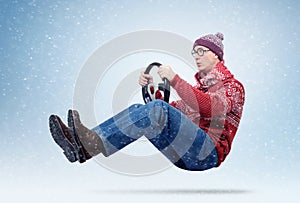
(80, 155)
(60, 139)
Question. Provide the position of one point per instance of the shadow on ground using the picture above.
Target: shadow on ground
(178, 191)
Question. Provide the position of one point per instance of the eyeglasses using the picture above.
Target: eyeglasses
(199, 51)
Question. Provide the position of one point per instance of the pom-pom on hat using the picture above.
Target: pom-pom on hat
(212, 42)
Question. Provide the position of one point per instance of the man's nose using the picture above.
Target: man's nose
(196, 57)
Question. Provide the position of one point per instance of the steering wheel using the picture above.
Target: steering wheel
(149, 91)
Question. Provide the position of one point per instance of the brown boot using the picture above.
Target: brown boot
(62, 137)
(87, 139)
(65, 129)
(81, 153)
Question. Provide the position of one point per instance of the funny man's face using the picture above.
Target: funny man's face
(207, 61)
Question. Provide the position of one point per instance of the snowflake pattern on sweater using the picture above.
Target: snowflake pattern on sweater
(215, 104)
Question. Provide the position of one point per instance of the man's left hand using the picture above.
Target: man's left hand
(165, 71)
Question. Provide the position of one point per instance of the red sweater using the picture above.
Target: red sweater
(215, 104)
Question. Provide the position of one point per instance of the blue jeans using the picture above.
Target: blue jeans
(185, 144)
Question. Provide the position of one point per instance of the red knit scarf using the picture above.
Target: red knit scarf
(217, 74)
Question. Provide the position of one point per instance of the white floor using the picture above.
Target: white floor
(59, 181)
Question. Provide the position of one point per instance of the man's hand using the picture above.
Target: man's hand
(145, 79)
(165, 71)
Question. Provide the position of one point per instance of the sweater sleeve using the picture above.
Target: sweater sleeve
(208, 104)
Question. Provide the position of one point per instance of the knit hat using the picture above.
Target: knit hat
(213, 42)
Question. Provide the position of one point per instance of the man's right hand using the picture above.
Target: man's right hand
(145, 79)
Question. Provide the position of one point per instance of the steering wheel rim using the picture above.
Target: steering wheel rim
(165, 86)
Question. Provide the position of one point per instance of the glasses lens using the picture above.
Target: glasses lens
(200, 52)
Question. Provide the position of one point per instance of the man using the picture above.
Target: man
(194, 133)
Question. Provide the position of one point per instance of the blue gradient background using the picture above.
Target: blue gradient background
(44, 44)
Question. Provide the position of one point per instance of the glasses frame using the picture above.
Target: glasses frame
(199, 51)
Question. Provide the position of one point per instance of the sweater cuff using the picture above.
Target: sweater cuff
(174, 81)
